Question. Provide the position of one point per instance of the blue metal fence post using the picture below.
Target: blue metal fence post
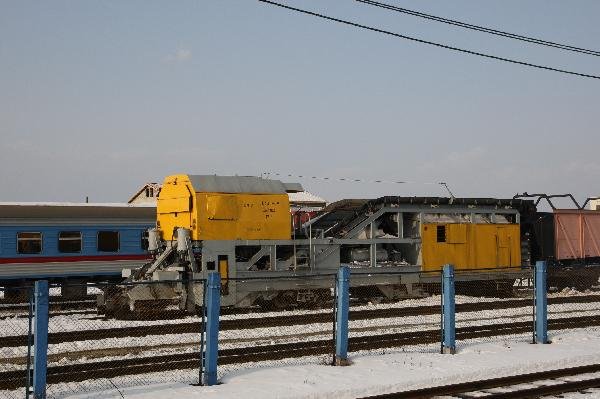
(40, 342)
(449, 343)
(341, 317)
(541, 303)
(29, 344)
(213, 307)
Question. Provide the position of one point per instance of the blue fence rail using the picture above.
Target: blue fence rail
(211, 312)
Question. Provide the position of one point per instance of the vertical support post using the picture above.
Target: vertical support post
(449, 344)
(29, 344)
(343, 305)
(40, 339)
(541, 303)
(202, 335)
(273, 257)
(372, 248)
(213, 307)
(311, 261)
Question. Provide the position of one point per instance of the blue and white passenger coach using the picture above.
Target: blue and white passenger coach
(67, 242)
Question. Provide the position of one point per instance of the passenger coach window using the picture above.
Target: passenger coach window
(69, 241)
(29, 243)
(108, 241)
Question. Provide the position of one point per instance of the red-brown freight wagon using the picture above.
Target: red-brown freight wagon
(568, 239)
(576, 234)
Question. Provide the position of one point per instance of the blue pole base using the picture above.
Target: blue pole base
(342, 362)
(446, 350)
(210, 379)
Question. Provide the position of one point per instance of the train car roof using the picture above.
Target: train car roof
(73, 210)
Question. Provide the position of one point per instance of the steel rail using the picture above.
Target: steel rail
(464, 388)
(4, 303)
(12, 310)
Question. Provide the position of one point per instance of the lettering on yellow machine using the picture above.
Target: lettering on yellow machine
(470, 245)
(224, 208)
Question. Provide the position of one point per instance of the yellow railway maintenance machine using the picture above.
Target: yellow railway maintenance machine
(242, 228)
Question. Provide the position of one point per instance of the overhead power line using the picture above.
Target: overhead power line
(386, 32)
(482, 28)
(356, 180)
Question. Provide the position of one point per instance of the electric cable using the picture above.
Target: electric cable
(422, 41)
(481, 28)
(268, 175)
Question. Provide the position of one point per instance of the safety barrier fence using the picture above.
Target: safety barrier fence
(319, 319)
(72, 349)
(16, 319)
(391, 310)
(573, 298)
(503, 311)
(294, 322)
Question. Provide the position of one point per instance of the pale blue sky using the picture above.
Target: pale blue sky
(98, 97)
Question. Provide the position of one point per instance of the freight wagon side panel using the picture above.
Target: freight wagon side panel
(577, 234)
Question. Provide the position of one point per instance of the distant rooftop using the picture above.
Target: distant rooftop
(306, 197)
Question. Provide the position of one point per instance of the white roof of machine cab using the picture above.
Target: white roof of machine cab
(241, 184)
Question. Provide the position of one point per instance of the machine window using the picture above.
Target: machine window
(108, 241)
(29, 243)
(441, 233)
(144, 242)
(69, 241)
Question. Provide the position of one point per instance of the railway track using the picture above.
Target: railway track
(54, 314)
(64, 307)
(53, 299)
(552, 382)
(19, 310)
(161, 363)
(103, 352)
(279, 321)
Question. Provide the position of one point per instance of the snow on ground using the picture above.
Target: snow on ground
(372, 374)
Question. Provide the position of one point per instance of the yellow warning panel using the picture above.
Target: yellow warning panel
(470, 246)
(224, 208)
